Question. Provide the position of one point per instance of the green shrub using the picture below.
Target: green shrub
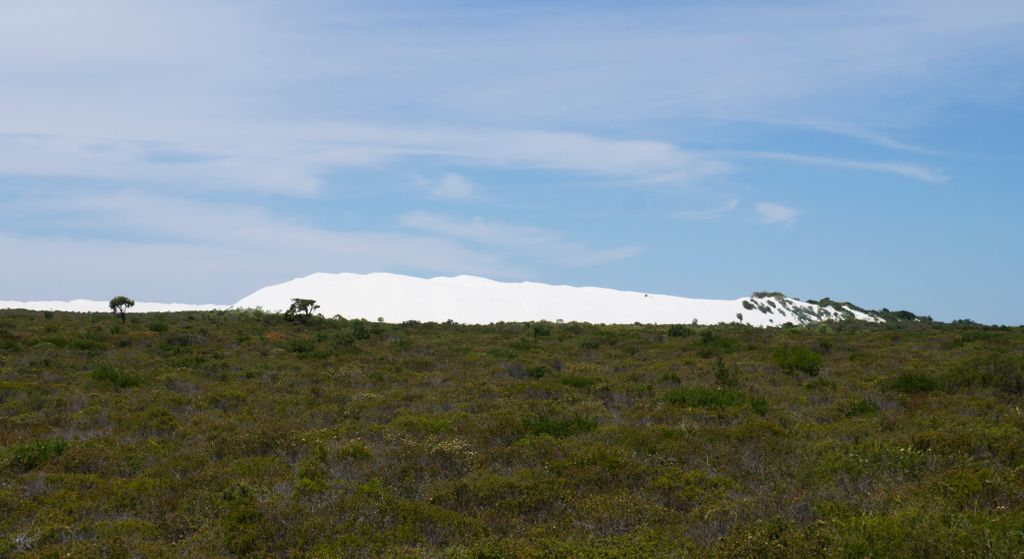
(414, 442)
(28, 455)
(913, 383)
(679, 331)
(300, 345)
(577, 381)
(759, 405)
(726, 376)
(864, 406)
(712, 344)
(541, 329)
(797, 359)
(704, 397)
(1003, 371)
(558, 426)
(538, 371)
(8, 341)
(360, 330)
(116, 377)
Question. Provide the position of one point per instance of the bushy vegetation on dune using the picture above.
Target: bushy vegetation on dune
(251, 435)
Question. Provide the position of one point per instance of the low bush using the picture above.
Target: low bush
(577, 381)
(108, 374)
(559, 426)
(679, 331)
(797, 359)
(24, 456)
(221, 436)
(913, 383)
(704, 397)
(1003, 371)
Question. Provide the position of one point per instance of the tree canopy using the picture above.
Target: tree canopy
(120, 306)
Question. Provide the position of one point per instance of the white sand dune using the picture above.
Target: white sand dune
(86, 305)
(475, 300)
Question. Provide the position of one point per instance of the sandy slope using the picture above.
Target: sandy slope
(86, 305)
(475, 300)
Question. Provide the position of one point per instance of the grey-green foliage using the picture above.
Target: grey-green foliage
(120, 306)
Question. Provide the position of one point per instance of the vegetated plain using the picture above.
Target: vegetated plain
(246, 434)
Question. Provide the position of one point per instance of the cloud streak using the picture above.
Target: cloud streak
(296, 161)
(712, 213)
(908, 170)
(776, 213)
(536, 241)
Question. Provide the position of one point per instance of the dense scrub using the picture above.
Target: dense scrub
(220, 434)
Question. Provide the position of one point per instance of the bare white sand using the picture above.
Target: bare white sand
(475, 300)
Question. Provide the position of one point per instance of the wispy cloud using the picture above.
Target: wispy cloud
(712, 213)
(151, 237)
(869, 136)
(295, 159)
(776, 213)
(484, 95)
(544, 243)
(452, 186)
(917, 172)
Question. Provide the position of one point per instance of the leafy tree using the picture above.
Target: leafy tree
(120, 306)
(302, 308)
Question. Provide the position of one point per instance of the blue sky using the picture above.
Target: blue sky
(194, 151)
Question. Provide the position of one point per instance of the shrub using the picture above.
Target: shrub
(679, 331)
(712, 343)
(577, 381)
(107, 373)
(704, 397)
(864, 406)
(1003, 371)
(759, 405)
(25, 456)
(360, 330)
(8, 341)
(541, 329)
(300, 345)
(559, 427)
(794, 358)
(726, 376)
(538, 371)
(913, 383)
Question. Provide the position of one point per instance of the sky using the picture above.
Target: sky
(196, 150)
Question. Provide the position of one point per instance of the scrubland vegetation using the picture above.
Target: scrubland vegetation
(245, 434)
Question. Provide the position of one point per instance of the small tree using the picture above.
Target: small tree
(302, 307)
(120, 306)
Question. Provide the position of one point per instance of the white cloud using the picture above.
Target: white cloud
(176, 249)
(917, 172)
(548, 245)
(246, 85)
(776, 213)
(193, 251)
(292, 159)
(452, 186)
(729, 206)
